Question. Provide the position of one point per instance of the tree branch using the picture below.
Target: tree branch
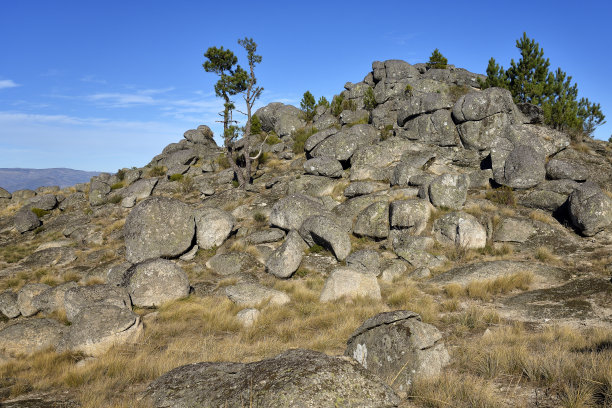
(260, 149)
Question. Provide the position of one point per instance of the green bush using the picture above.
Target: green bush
(235, 183)
(117, 186)
(299, 138)
(273, 139)
(308, 106)
(260, 217)
(176, 177)
(222, 161)
(315, 249)
(437, 60)
(349, 105)
(369, 100)
(114, 199)
(362, 121)
(386, 132)
(186, 184)
(255, 125)
(40, 212)
(503, 195)
(121, 174)
(408, 90)
(323, 102)
(336, 105)
(157, 171)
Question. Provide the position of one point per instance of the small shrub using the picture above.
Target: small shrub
(255, 125)
(299, 138)
(272, 139)
(437, 60)
(315, 249)
(348, 105)
(336, 105)
(176, 177)
(408, 90)
(235, 183)
(114, 199)
(260, 217)
(386, 132)
(362, 121)
(457, 91)
(369, 100)
(503, 195)
(186, 184)
(302, 273)
(40, 212)
(544, 254)
(121, 174)
(323, 102)
(308, 105)
(117, 186)
(263, 158)
(157, 171)
(222, 161)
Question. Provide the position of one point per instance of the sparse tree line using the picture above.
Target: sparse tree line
(529, 81)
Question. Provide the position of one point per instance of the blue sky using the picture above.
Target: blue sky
(101, 85)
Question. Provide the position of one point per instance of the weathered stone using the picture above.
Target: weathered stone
(373, 221)
(460, 229)
(350, 283)
(436, 128)
(295, 378)
(57, 256)
(265, 236)
(322, 230)
(560, 169)
(367, 260)
(479, 105)
(25, 220)
(253, 294)
(73, 202)
(411, 215)
(158, 227)
(523, 168)
(213, 226)
(8, 304)
(449, 191)
(97, 328)
(289, 212)
(364, 187)
(478, 135)
(45, 202)
(53, 299)
(360, 116)
(30, 335)
(323, 166)
(314, 140)
(393, 269)
(157, 281)
(248, 317)
(141, 189)
(81, 297)
(545, 200)
(343, 144)
(202, 135)
(325, 121)
(231, 263)
(26, 295)
(286, 259)
(514, 230)
(399, 347)
(420, 104)
(590, 209)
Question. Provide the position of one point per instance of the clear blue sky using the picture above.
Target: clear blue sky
(101, 85)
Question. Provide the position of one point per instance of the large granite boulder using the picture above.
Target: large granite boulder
(25, 220)
(367, 260)
(30, 335)
(45, 202)
(253, 294)
(560, 169)
(8, 304)
(158, 227)
(480, 105)
(294, 379)
(26, 295)
(322, 230)
(524, 168)
(53, 299)
(281, 118)
(213, 226)
(590, 209)
(323, 166)
(410, 215)
(95, 329)
(421, 104)
(460, 229)
(231, 263)
(289, 212)
(81, 297)
(373, 221)
(449, 190)
(156, 281)
(478, 135)
(436, 128)
(286, 259)
(343, 144)
(398, 347)
(349, 283)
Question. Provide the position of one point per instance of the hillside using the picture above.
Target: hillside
(30, 179)
(442, 248)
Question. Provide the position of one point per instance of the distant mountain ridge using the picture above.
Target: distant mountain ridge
(19, 179)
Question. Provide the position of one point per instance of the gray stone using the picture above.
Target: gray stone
(179, 158)
(231, 263)
(265, 236)
(289, 212)
(479, 105)
(213, 226)
(544, 200)
(117, 274)
(399, 347)
(30, 335)
(393, 269)
(286, 259)
(410, 215)
(363, 188)
(590, 209)
(532, 113)
(449, 191)
(141, 189)
(202, 135)
(288, 120)
(343, 144)
(157, 281)
(313, 186)
(253, 294)
(325, 121)
(373, 221)
(25, 220)
(421, 273)
(98, 192)
(97, 328)
(8, 304)
(53, 299)
(349, 283)
(480, 178)
(523, 168)
(324, 231)
(248, 317)
(358, 116)
(560, 169)
(81, 297)
(478, 135)
(421, 104)
(58, 256)
(21, 196)
(460, 229)
(514, 230)
(26, 295)
(45, 202)
(74, 202)
(436, 128)
(367, 260)
(158, 227)
(323, 166)
(403, 173)
(295, 378)
(314, 140)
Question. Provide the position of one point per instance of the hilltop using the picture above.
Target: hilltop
(438, 246)
(30, 179)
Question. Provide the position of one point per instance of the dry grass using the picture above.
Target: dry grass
(452, 389)
(545, 255)
(16, 252)
(486, 289)
(539, 215)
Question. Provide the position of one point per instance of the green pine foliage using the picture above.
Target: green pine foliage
(323, 102)
(529, 80)
(336, 105)
(308, 105)
(369, 100)
(255, 125)
(437, 60)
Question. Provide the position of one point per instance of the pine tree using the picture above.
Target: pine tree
(437, 60)
(323, 102)
(308, 105)
(527, 78)
(369, 101)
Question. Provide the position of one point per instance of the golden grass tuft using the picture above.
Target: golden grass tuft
(539, 215)
(545, 255)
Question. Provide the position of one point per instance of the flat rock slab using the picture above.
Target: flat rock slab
(28, 336)
(296, 378)
(494, 269)
(79, 298)
(252, 294)
(232, 263)
(581, 299)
